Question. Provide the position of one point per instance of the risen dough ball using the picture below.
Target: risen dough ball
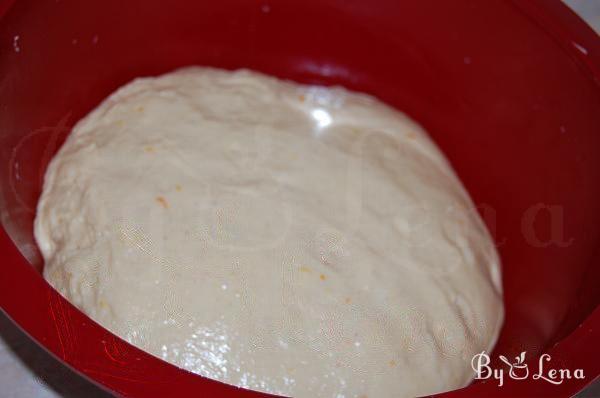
(291, 239)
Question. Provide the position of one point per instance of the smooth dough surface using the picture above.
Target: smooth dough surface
(292, 239)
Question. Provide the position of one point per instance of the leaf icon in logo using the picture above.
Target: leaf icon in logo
(518, 369)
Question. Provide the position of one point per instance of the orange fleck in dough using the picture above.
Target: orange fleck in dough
(347, 300)
(149, 149)
(392, 363)
(322, 276)
(140, 109)
(411, 135)
(178, 188)
(162, 201)
(301, 98)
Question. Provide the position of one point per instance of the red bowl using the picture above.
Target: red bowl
(510, 90)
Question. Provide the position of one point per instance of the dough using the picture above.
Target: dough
(291, 239)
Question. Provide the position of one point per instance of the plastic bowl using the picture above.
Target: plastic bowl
(508, 89)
